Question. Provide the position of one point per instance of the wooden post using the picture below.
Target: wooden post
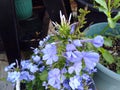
(8, 30)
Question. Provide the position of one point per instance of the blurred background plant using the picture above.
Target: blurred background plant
(107, 7)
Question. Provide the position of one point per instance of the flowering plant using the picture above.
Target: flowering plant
(63, 61)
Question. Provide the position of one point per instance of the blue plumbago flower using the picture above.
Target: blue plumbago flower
(50, 53)
(64, 70)
(72, 28)
(73, 56)
(42, 42)
(36, 51)
(86, 77)
(10, 67)
(77, 42)
(98, 41)
(45, 84)
(33, 68)
(66, 85)
(25, 75)
(36, 58)
(70, 47)
(90, 58)
(90, 71)
(67, 62)
(54, 78)
(76, 67)
(13, 76)
(24, 64)
(27, 64)
(62, 78)
(75, 82)
(42, 68)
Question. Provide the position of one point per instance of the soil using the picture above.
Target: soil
(115, 51)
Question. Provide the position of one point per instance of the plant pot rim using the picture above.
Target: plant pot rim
(108, 72)
(93, 25)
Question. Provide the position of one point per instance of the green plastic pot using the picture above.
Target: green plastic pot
(104, 78)
(23, 9)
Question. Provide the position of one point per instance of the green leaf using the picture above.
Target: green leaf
(118, 71)
(102, 3)
(29, 86)
(51, 88)
(108, 42)
(101, 9)
(107, 56)
(43, 75)
(117, 17)
(116, 3)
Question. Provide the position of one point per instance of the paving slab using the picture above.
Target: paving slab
(4, 85)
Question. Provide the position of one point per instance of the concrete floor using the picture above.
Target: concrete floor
(4, 85)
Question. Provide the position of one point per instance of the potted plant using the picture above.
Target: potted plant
(108, 75)
(63, 61)
(23, 9)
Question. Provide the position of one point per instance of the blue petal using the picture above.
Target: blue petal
(91, 58)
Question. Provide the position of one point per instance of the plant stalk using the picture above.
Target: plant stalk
(18, 84)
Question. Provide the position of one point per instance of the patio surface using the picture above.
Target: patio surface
(4, 85)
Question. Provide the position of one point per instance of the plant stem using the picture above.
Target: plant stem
(109, 8)
(18, 84)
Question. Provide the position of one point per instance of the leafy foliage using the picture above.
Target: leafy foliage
(107, 6)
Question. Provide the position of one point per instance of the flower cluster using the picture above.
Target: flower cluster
(63, 61)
